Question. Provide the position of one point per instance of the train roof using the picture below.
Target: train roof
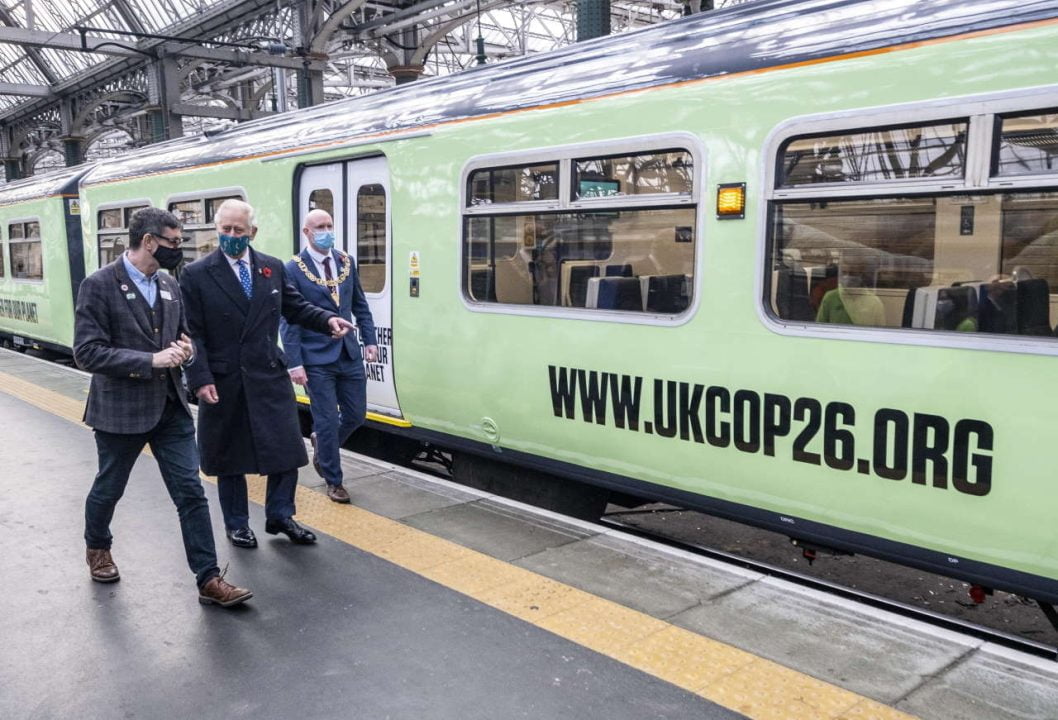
(742, 38)
(55, 182)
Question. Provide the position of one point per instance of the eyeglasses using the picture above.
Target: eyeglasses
(176, 241)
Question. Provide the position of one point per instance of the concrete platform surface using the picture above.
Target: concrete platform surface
(459, 602)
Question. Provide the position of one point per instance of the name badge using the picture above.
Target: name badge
(166, 295)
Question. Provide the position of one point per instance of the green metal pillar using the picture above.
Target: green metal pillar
(73, 147)
(593, 19)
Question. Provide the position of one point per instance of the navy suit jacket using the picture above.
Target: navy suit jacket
(304, 346)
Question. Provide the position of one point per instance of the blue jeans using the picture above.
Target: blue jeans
(279, 498)
(338, 392)
(172, 441)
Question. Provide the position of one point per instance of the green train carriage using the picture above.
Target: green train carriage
(789, 263)
(41, 263)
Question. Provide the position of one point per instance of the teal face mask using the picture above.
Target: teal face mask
(233, 246)
(323, 239)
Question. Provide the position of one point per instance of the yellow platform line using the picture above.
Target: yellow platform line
(735, 679)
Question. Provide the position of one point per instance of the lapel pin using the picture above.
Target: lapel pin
(124, 287)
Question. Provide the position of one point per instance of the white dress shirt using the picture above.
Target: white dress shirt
(318, 259)
(234, 262)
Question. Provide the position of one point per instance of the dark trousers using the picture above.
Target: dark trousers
(279, 498)
(338, 392)
(172, 441)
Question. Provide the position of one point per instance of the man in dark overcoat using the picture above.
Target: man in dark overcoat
(333, 372)
(248, 418)
(130, 333)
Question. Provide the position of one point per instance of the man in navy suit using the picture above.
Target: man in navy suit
(334, 372)
(247, 417)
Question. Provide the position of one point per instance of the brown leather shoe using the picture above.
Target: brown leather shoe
(101, 566)
(315, 455)
(218, 591)
(338, 494)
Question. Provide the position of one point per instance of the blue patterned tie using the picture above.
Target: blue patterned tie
(244, 278)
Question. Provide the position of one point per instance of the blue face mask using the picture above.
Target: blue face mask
(323, 239)
(233, 246)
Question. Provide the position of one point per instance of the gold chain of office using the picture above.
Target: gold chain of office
(347, 267)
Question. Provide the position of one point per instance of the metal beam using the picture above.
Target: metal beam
(7, 88)
(32, 53)
(214, 111)
(106, 46)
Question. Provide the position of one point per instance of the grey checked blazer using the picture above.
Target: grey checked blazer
(114, 340)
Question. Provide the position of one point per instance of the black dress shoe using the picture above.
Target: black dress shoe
(297, 534)
(243, 537)
(315, 454)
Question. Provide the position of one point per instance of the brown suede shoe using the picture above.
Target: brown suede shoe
(101, 566)
(338, 494)
(218, 591)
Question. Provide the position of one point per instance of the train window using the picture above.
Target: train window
(663, 172)
(524, 183)
(196, 218)
(25, 251)
(188, 212)
(215, 202)
(113, 233)
(371, 237)
(638, 260)
(322, 199)
(111, 219)
(927, 263)
(877, 155)
(1027, 144)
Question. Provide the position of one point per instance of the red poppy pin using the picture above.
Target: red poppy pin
(266, 271)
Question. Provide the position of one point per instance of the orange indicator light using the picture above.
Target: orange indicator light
(731, 201)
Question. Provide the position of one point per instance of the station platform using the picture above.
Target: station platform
(425, 599)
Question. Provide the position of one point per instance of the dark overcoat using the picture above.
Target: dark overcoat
(115, 340)
(254, 427)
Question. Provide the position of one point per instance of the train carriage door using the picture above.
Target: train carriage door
(369, 241)
(356, 194)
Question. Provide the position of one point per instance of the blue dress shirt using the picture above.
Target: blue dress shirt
(148, 286)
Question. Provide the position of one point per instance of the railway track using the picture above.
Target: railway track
(932, 617)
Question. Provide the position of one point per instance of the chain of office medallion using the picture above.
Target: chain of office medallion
(347, 266)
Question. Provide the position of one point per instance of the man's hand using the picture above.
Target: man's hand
(187, 346)
(371, 353)
(298, 376)
(208, 394)
(339, 327)
(172, 356)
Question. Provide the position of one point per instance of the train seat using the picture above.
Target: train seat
(1034, 307)
(482, 284)
(664, 293)
(615, 293)
(577, 290)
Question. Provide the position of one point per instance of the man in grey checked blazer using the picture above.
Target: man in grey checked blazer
(130, 333)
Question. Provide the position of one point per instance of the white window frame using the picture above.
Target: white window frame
(121, 204)
(981, 109)
(9, 267)
(564, 155)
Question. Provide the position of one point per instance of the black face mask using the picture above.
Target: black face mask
(167, 257)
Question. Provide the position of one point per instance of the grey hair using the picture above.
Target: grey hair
(233, 204)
